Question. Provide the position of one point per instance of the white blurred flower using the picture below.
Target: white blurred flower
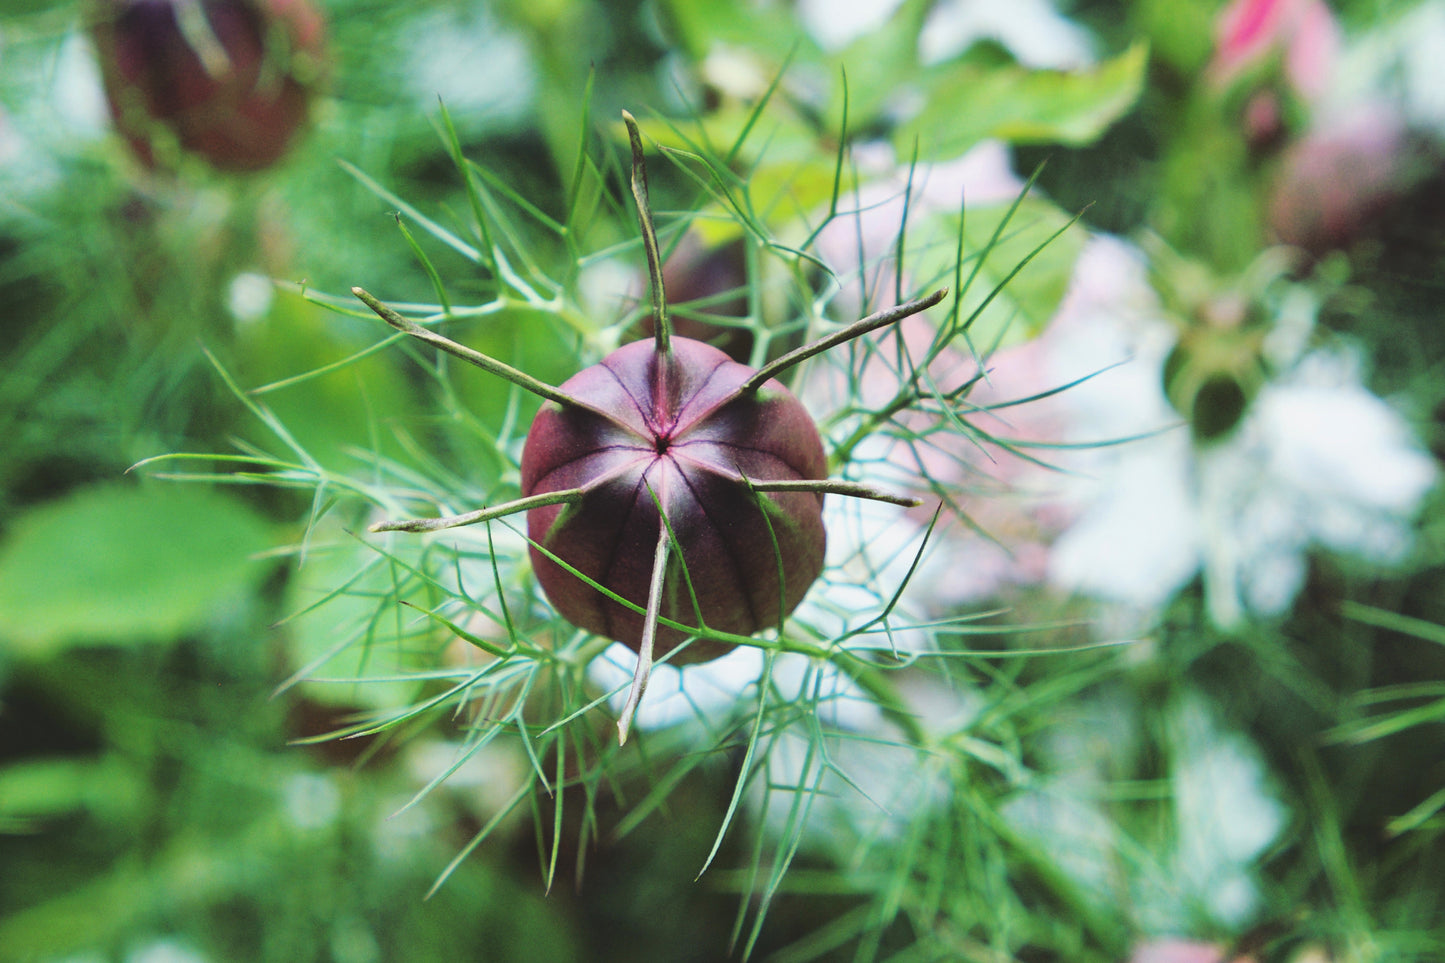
(249, 297)
(1317, 461)
(1226, 815)
(1221, 818)
(836, 23)
(1401, 58)
(165, 950)
(1031, 30)
(310, 800)
(475, 65)
(58, 109)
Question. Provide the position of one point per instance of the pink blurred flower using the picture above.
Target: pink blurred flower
(1302, 32)
(1333, 180)
(1180, 951)
(1004, 494)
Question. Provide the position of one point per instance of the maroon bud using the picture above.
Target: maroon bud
(683, 433)
(228, 80)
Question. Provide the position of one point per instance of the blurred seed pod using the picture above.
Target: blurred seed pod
(230, 81)
(705, 283)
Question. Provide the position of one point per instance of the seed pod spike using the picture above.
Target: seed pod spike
(502, 370)
(649, 636)
(830, 487)
(662, 324)
(874, 321)
(482, 514)
(666, 379)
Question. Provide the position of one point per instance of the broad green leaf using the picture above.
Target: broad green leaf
(770, 29)
(880, 64)
(120, 564)
(966, 102)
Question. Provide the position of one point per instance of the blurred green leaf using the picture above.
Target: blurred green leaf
(124, 564)
(1024, 305)
(967, 102)
(37, 789)
(762, 30)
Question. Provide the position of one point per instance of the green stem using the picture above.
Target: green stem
(902, 400)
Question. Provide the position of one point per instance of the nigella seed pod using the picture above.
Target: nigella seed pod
(227, 80)
(681, 437)
(684, 483)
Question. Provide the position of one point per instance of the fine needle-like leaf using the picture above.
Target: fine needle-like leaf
(745, 771)
(427, 265)
(461, 633)
(841, 154)
(574, 188)
(432, 227)
(454, 146)
(523, 793)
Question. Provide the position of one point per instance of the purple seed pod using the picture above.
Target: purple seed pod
(683, 482)
(679, 435)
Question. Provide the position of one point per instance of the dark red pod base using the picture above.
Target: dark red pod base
(230, 80)
(690, 436)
